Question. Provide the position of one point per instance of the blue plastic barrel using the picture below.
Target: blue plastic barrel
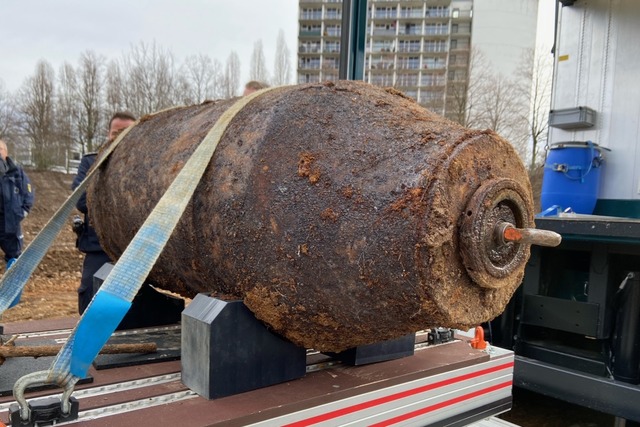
(571, 177)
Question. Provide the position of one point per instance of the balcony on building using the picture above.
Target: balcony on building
(409, 46)
(381, 79)
(330, 64)
(388, 13)
(379, 62)
(333, 14)
(313, 14)
(433, 63)
(409, 63)
(435, 47)
(461, 15)
(382, 46)
(410, 29)
(458, 61)
(463, 29)
(406, 80)
(308, 77)
(332, 30)
(410, 12)
(309, 48)
(309, 64)
(310, 31)
(459, 45)
(436, 30)
(437, 14)
(433, 80)
(332, 48)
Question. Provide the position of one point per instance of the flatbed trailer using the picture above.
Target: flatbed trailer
(450, 384)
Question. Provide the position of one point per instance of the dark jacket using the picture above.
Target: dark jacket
(17, 196)
(88, 239)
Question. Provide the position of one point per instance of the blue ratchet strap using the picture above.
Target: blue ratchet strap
(112, 300)
(17, 299)
(17, 276)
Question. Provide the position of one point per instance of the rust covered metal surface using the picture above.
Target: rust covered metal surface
(341, 214)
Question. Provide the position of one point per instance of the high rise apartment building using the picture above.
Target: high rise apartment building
(421, 47)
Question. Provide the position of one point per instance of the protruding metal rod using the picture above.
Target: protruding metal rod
(508, 233)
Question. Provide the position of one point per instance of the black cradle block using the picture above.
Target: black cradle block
(149, 307)
(226, 350)
(378, 352)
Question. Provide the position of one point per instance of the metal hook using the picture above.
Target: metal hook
(41, 378)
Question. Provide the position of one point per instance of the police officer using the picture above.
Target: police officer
(88, 241)
(17, 199)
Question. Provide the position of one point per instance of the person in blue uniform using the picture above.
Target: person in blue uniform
(87, 242)
(17, 200)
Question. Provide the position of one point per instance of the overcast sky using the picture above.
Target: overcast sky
(60, 30)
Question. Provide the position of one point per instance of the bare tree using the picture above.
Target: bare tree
(537, 67)
(150, 79)
(202, 77)
(8, 117)
(466, 87)
(67, 109)
(114, 87)
(258, 65)
(282, 64)
(90, 74)
(502, 104)
(36, 100)
(232, 75)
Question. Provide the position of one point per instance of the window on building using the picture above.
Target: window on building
(311, 13)
(332, 77)
(333, 13)
(411, 29)
(437, 11)
(432, 80)
(308, 78)
(435, 46)
(332, 47)
(382, 46)
(309, 63)
(455, 13)
(310, 30)
(309, 47)
(409, 46)
(437, 28)
(410, 63)
(384, 29)
(380, 62)
(411, 12)
(332, 30)
(381, 79)
(407, 80)
(433, 63)
(330, 63)
(385, 12)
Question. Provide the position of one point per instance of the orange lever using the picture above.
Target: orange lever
(478, 341)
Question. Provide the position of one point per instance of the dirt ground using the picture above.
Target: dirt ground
(51, 291)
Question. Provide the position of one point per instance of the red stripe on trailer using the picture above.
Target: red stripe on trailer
(441, 405)
(401, 395)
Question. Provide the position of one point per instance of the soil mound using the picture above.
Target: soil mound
(51, 291)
